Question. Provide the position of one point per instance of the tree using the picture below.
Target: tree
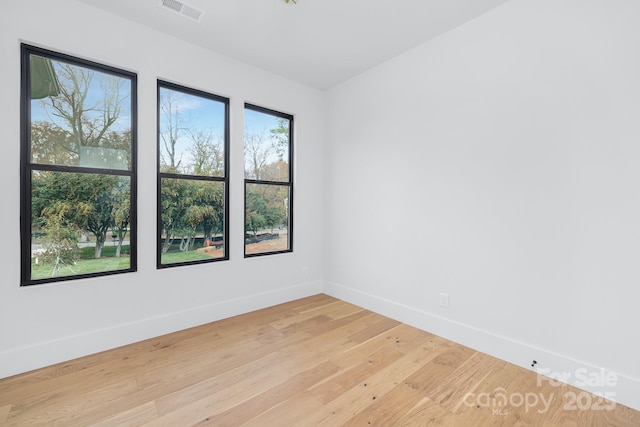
(50, 144)
(83, 201)
(173, 209)
(61, 236)
(100, 218)
(190, 207)
(258, 151)
(209, 198)
(255, 209)
(121, 194)
(171, 129)
(254, 222)
(280, 135)
(207, 154)
(87, 120)
(57, 217)
(276, 171)
(266, 160)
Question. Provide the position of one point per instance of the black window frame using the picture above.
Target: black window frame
(27, 167)
(289, 183)
(160, 175)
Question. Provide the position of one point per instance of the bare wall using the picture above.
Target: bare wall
(499, 164)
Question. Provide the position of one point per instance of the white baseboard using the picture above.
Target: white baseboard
(623, 389)
(24, 359)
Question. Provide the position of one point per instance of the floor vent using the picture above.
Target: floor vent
(182, 9)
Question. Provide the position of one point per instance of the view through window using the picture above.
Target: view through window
(193, 141)
(78, 168)
(268, 181)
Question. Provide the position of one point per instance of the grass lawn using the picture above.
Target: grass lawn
(108, 261)
(81, 266)
(86, 264)
(178, 257)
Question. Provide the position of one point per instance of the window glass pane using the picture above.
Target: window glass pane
(266, 147)
(79, 116)
(266, 218)
(78, 176)
(192, 130)
(192, 215)
(80, 223)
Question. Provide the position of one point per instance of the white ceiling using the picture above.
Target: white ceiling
(320, 43)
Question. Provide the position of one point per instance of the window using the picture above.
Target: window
(268, 184)
(193, 195)
(78, 168)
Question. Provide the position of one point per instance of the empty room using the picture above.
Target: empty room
(320, 212)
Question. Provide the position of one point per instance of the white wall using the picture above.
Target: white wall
(499, 164)
(40, 325)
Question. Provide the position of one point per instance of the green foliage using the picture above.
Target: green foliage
(280, 135)
(121, 212)
(265, 207)
(254, 222)
(190, 207)
(81, 202)
(60, 247)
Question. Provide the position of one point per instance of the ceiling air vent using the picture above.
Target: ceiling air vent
(182, 9)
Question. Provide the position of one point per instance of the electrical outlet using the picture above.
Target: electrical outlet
(444, 300)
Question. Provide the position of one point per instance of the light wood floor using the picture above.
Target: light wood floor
(316, 361)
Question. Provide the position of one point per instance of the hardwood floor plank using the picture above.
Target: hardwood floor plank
(4, 413)
(347, 379)
(428, 377)
(90, 377)
(188, 367)
(292, 412)
(372, 331)
(315, 361)
(67, 402)
(356, 399)
(333, 310)
(402, 338)
(451, 392)
(329, 338)
(222, 383)
(386, 410)
(282, 392)
(426, 413)
(137, 416)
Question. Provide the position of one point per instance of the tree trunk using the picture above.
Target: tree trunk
(99, 246)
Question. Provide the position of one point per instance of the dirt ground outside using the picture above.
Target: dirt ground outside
(273, 245)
